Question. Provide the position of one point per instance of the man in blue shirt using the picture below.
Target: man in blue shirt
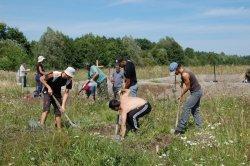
(95, 74)
(117, 81)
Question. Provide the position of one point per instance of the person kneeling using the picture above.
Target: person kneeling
(130, 109)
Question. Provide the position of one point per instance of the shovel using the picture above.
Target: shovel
(59, 106)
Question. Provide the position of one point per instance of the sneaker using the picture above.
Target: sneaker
(178, 132)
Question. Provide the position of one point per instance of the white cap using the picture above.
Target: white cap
(40, 58)
(70, 71)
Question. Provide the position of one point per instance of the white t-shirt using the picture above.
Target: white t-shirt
(22, 71)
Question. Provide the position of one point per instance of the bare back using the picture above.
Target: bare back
(129, 103)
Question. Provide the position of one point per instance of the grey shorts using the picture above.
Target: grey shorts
(48, 100)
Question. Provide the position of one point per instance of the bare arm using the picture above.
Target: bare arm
(44, 81)
(187, 84)
(95, 77)
(127, 83)
(122, 124)
(41, 71)
(65, 97)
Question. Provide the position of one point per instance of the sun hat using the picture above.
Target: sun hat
(40, 58)
(173, 66)
(70, 71)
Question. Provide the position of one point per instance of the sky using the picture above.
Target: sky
(205, 25)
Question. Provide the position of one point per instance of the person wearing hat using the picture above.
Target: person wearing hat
(39, 72)
(96, 74)
(53, 82)
(130, 75)
(191, 106)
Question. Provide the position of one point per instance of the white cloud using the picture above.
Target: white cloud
(228, 12)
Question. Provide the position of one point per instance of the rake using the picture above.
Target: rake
(59, 106)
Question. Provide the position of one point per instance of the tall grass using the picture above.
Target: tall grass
(224, 139)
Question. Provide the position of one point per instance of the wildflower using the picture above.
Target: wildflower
(183, 138)
(164, 155)
(76, 136)
(32, 158)
(212, 127)
(231, 141)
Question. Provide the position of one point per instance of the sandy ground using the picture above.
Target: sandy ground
(227, 85)
(160, 88)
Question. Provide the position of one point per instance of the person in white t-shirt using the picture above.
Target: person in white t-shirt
(22, 74)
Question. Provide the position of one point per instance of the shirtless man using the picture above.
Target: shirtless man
(130, 109)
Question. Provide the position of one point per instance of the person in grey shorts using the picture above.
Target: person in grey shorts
(117, 81)
(193, 102)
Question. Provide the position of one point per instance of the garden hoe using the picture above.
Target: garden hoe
(59, 106)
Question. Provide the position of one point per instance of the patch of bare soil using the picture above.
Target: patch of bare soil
(160, 142)
(106, 130)
(227, 85)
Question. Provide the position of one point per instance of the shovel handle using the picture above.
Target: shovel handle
(59, 106)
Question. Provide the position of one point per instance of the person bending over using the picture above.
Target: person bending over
(130, 109)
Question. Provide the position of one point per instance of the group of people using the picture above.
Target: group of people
(125, 101)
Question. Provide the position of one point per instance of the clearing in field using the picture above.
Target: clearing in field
(224, 139)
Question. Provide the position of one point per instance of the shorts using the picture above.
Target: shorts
(48, 100)
(135, 114)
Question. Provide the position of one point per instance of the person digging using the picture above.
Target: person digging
(53, 82)
(130, 109)
(193, 102)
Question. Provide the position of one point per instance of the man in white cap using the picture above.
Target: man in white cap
(53, 82)
(191, 106)
(39, 72)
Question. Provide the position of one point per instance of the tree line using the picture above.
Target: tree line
(60, 51)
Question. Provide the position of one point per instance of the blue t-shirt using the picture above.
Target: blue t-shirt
(94, 69)
(118, 79)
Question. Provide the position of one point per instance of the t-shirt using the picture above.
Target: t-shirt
(22, 71)
(118, 79)
(37, 68)
(56, 82)
(94, 69)
(129, 72)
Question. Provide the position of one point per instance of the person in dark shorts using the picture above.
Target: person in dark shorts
(130, 110)
(192, 105)
(130, 75)
(53, 82)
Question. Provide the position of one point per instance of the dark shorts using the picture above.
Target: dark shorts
(135, 114)
(48, 100)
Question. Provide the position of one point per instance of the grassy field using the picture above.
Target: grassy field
(224, 140)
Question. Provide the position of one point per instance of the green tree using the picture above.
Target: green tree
(3, 29)
(132, 50)
(56, 48)
(145, 44)
(12, 55)
(173, 49)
